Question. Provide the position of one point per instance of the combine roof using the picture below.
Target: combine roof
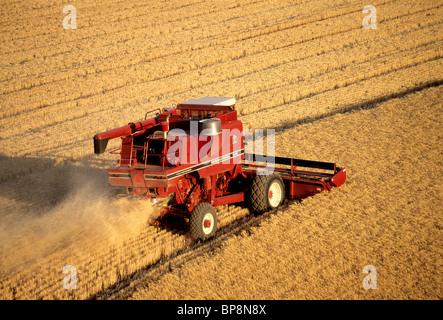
(211, 101)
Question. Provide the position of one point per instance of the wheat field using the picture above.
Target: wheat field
(369, 100)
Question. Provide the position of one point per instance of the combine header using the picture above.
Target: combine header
(192, 158)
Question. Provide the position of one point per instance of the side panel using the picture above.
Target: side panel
(228, 199)
(300, 190)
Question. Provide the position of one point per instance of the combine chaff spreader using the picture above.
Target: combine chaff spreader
(191, 158)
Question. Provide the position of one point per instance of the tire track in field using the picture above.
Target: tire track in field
(152, 273)
(231, 31)
(274, 87)
(98, 265)
(260, 32)
(365, 105)
(116, 31)
(279, 63)
(423, 59)
(406, 77)
(107, 90)
(125, 287)
(121, 42)
(126, 282)
(369, 61)
(181, 47)
(111, 273)
(293, 78)
(48, 146)
(88, 97)
(153, 9)
(85, 142)
(91, 11)
(82, 72)
(95, 263)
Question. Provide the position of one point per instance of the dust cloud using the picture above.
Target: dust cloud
(90, 217)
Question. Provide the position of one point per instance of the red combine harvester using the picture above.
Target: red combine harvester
(192, 158)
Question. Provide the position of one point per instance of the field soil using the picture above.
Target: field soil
(366, 99)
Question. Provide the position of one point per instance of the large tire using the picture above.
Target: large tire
(203, 221)
(267, 193)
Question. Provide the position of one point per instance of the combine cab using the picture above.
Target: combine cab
(192, 158)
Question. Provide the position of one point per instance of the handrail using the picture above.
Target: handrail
(144, 148)
(159, 109)
(296, 162)
(115, 151)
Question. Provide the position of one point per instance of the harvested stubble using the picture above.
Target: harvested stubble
(287, 63)
(387, 215)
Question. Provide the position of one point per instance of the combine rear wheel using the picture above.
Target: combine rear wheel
(203, 222)
(267, 193)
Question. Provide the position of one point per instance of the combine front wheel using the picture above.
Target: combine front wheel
(267, 192)
(203, 222)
